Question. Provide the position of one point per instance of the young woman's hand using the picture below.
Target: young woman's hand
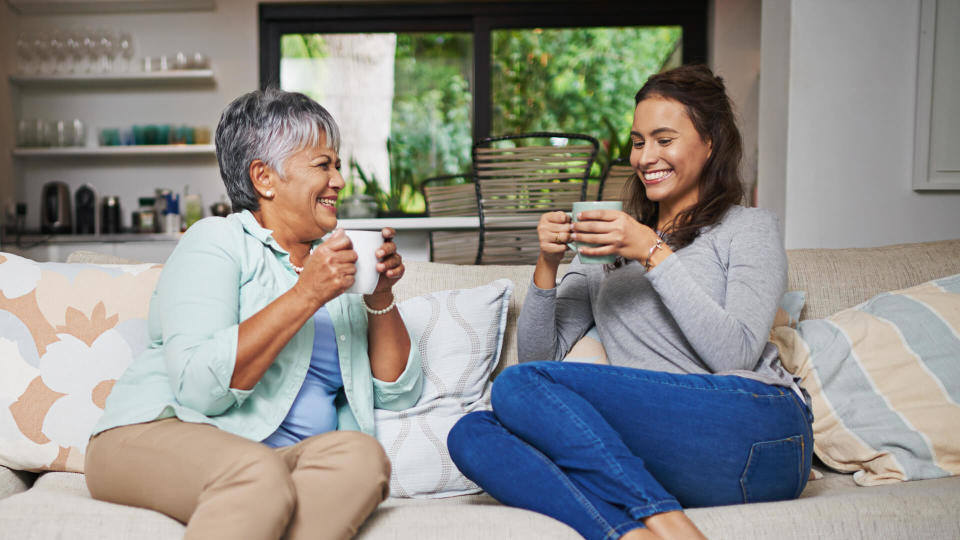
(615, 233)
(390, 265)
(553, 232)
(329, 270)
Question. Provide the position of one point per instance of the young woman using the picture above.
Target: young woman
(695, 409)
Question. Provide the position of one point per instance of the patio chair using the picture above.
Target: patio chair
(613, 183)
(445, 196)
(518, 178)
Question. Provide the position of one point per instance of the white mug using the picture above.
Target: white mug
(366, 244)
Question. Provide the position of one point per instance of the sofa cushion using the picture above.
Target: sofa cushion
(884, 378)
(59, 506)
(459, 334)
(67, 332)
(835, 279)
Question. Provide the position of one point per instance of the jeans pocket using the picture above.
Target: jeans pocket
(774, 470)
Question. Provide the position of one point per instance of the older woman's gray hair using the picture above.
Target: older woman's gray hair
(270, 126)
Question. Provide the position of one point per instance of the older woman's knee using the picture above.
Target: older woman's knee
(266, 480)
(366, 459)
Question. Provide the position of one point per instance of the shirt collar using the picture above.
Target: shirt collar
(254, 229)
(264, 235)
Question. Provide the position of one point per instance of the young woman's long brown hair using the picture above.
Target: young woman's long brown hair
(720, 186)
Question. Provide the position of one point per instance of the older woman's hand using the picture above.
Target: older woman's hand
(330, 269)
(390, 266)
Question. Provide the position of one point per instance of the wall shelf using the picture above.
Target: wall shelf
(149, 78)
(113, 151)
(55, 7)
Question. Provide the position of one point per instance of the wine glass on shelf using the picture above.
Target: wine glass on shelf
(125, 46)
(41, 48)
(89, 46)
(58, 52)
(106, 51)
(74, 50)
(25, 53)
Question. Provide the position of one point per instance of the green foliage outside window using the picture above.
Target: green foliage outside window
(579, 80)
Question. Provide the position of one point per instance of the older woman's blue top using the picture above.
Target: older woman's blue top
(223, 271)
(314, 409)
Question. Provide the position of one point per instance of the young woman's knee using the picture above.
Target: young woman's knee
(514, 386)
(467, 439)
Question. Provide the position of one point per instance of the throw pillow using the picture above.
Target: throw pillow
(67, 332)
(884, 378)
(459, 334)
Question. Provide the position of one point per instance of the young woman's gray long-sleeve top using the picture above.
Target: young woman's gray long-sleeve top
(707, 308)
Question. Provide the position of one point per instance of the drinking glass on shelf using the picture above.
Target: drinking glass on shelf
(90, 45)
(125, 44)
(26, 133)
(58, 52)
(180, 61)
(199, 61)
(106, 51)
(41, 48)
(25, 53)
(78, 132)
(74, 50)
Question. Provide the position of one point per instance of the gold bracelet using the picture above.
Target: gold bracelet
(370, 310)
(655, 247)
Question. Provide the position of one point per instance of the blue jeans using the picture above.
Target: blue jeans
(602, 447)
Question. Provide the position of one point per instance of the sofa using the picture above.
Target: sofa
(57, 504)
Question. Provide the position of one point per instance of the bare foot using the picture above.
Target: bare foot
(673, 525)
(639, 534)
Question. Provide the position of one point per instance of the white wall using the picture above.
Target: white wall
(850, 127)
(735, 56)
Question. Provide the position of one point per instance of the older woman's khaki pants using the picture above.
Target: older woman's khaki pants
(224, 486)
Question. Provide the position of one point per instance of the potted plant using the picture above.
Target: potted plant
(404, 198)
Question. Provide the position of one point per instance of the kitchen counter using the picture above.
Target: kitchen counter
(412, 239)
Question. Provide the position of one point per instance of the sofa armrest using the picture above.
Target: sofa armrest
(13, 482)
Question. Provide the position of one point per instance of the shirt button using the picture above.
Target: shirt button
(343, 337)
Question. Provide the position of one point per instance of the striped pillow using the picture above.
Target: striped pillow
(885, 381)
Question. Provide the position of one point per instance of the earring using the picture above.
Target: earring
(268, 194)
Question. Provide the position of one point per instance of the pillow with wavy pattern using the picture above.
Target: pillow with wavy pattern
(460, 336)
(67, 332)
(884, 379)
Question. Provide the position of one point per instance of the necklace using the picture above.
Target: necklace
(296, 268)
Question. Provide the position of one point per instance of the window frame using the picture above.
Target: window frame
(479, 18)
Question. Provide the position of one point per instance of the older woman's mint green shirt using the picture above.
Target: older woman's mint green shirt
(223, 271)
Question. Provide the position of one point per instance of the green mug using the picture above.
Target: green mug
(584, 206)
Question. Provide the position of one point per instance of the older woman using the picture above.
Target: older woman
(250, 415)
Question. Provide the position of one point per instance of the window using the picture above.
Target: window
(412, 85)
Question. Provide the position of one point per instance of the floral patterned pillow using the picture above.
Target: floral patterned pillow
(67, 332)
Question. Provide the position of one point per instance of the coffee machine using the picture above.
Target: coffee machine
(55, 215)
(85, 204)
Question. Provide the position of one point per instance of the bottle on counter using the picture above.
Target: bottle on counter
(147, 213)
(110, 215)
(171, 214)
(192, 208)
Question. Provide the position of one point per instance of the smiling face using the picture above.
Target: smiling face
(303, 205)
(668, 154)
